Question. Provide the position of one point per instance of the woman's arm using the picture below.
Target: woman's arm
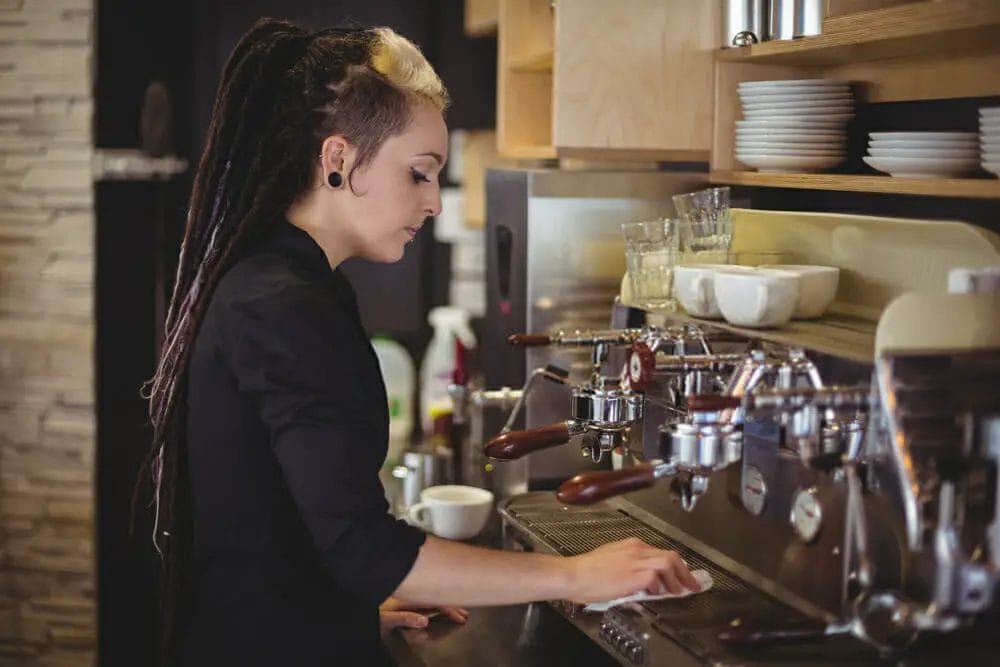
(452, 573)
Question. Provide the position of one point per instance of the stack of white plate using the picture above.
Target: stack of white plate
(795, 125)
(989, 139)
(923, 154)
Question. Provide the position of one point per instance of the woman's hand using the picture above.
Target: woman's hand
(622, 568)
(394, 613)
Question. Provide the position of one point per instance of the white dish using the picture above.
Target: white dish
(921, 167)
(790, 152)
(798, 104)
(837, 115)
(817, 288)
(801, 124)
(924, 145)
(789, 163)
(992, 167)
(785, 84)
(759, 298)
(748, 96)
(929, 153)
(790, 145)
(989, 112)
(794, 134)
(928, 136)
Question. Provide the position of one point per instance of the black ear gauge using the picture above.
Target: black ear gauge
(335, 179)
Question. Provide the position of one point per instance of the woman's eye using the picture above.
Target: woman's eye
(418, 176)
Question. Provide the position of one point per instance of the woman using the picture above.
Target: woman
(269, 412)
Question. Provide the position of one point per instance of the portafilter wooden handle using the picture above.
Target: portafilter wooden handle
(713, 402)
(590, 487)
(515, 444)
(528, 340)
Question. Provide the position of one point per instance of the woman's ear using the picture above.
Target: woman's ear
(336, 154)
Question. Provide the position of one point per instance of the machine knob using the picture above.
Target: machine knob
(641, 364)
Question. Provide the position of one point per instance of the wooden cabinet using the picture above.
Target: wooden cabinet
(913, 51)
(589, 78)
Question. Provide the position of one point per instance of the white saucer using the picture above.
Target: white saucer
(922, 167)
(992, 167)
(789, 163)
(926, 153)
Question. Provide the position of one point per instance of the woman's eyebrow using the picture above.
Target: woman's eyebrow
(437, 156)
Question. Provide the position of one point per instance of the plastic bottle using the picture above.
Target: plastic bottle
(399, 375)
(449, 322)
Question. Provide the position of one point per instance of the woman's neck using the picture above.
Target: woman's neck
(307, 214)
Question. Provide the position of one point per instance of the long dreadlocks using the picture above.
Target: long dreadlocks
(283, 90)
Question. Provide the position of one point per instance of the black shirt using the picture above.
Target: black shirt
(293, 546)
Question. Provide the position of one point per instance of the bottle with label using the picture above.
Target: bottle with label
(436, 372)
(399, 375)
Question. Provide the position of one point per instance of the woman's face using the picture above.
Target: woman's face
(398, 189)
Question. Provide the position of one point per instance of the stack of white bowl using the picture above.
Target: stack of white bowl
(793, 125)
(989, 139)
(923, 154)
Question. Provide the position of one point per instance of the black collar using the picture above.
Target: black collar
(287, 238)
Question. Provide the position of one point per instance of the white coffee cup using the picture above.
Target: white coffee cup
(756, 298)
(452, 511)
(817, 288)
(694, 287)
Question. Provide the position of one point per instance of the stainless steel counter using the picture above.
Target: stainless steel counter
(522, 635)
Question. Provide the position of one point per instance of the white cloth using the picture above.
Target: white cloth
(703, 577)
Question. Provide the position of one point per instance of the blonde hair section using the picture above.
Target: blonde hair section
(401, 62)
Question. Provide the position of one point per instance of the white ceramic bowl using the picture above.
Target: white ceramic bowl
(789, 163)
(694, 288)
(921, 167)
(928, 136)
(817, 288)
(759, 298)
(948, 153)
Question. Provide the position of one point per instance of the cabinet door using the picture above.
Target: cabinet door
(635, 76)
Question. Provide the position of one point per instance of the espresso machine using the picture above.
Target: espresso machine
(847, 509)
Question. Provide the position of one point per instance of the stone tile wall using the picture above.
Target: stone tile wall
(47, 413)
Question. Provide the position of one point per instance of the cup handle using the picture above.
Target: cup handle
(761, 309)
(418, 516)
(701, 290)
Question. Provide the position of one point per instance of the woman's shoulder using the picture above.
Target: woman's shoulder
(267, 287)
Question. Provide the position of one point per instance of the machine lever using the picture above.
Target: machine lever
(513, 445)
(590, 487)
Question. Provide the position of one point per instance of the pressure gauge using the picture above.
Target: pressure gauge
(807, 514)
(754, 492)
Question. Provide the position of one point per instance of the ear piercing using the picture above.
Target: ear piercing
(335, 179)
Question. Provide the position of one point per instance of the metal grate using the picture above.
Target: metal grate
(571, 532)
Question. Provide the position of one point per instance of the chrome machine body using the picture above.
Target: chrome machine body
(849, 512)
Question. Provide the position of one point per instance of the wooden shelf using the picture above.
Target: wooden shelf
(533, 62)
(530, 152)
(912, 29)
(969, 188)
(839, 335)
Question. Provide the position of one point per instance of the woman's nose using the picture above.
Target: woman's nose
(433, 204)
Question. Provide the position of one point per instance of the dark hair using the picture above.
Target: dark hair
(283, 91)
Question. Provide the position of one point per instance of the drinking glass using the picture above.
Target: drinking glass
(706, 227)
(650, 255)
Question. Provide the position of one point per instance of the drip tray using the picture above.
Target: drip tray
(690, 624)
